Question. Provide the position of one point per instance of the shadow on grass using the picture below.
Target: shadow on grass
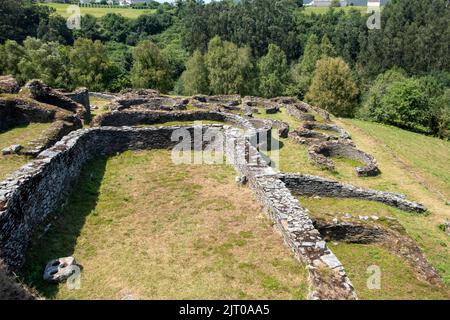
(61, 238)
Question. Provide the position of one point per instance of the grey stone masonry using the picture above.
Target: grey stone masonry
(327, 275)
(34, 192)
(38, 188)
(307, 185)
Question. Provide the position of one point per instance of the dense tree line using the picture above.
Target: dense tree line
(397, 75)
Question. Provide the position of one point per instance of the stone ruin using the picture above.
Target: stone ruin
(32, 194)
(323, 146)
(8, 85)
(38, 103)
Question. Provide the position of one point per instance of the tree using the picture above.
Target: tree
(414, 36)
(90, 29)
(273, 72)
(441, 115)
(150, 67)
(371, 108)
(115, 27)
(333, 88)
(326, 48)
(20, 19)
(247, 23)
(229, 68)
(195, 78)
(54, 29)
(43, 60)
(335, 4)
(303, 71)
(10, 55)
(406, 105)
(90, 66)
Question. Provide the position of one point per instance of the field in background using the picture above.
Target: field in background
(134, 13)
(61, 9)
(322, 10)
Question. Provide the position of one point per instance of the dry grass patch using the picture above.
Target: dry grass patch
(398, 278)
(18, 135)
(147, 229)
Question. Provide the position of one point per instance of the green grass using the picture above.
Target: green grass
(429, 155)
(322, 10)
(18, 135)
(398, 280)
(61, 9)
(405, 160)
(144, 227)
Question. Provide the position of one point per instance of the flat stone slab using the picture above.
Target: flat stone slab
(14, 149)
(59, 270)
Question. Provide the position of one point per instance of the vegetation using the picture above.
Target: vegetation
(256, 47)
(18, 135)
(333, 88)
(224, 246)
(98, 12)
(398, 280)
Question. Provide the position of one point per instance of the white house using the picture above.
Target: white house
(373, 3)
(324, 3)
(120, 2)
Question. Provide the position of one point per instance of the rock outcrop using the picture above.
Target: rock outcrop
(8, 84)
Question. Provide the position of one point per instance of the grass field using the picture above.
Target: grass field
(413, 164)
(145, 228)
(322, 10)
(61, 9)
(19, 135)
(398, 278)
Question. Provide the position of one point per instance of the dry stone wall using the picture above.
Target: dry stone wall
(327, 275)
(20, 111)
(321, 154)
(39, 187)
(307, 185)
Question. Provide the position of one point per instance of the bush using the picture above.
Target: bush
(333, 88)
(418, 104)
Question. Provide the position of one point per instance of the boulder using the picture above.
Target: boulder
(60, 270)
(8, 84)
(14, 149)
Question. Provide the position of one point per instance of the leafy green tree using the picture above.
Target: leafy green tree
(335, 3)
(326, 48)
(115, 27)
(273, 72)
(333, 88)
(303, 71)
(195, 78)
(406, 105)
(43, 60)
(20, 19)
(371, 108)
(10, 55)
(90, 66)
(90, 28)
(414, 36)
(247, 23)
(229, 68)
(441, 115)
(150, 67)
(54, 29)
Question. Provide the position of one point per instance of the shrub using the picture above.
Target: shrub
(333, 88)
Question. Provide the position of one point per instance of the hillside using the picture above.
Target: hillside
(61, 9)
